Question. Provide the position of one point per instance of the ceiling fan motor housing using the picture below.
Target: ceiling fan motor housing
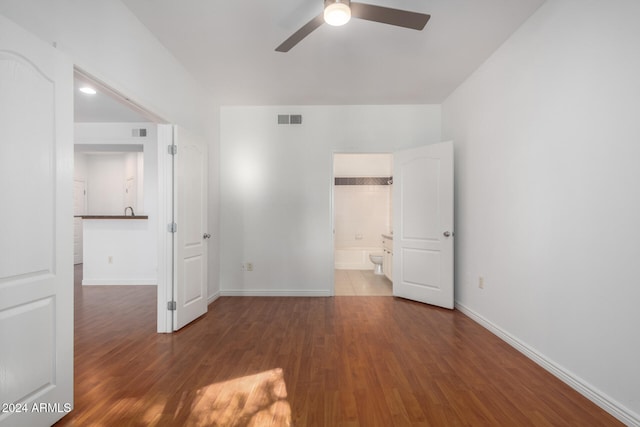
(329, 2)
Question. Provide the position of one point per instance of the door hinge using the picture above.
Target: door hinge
(172, 149)
(171, 305)
(172, 228)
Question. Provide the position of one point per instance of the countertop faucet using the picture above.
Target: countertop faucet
(125, 211)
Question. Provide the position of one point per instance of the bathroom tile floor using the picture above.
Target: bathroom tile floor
(361, 282)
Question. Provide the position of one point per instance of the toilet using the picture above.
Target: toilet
(376, 259)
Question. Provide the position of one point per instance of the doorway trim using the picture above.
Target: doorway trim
(164, 279)
(332, 290)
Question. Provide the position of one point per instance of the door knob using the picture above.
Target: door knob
(206, 236)
(447, 233)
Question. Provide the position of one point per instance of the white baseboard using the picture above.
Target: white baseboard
(596, 396)
(102, 282)
(213, 297)
(273, 293)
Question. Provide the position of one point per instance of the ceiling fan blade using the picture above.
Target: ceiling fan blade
(301, 34)
(386, 15)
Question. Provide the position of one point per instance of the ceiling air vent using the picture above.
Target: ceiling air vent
(286, 119)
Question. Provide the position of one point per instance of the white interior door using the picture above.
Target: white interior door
(190, 210)
(36, 264)
(423, 224)
(130, 193)
(79, 208)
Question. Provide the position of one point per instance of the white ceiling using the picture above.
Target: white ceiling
(101, 107)
(228, 46)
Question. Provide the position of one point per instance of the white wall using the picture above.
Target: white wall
(363, 165)
(547, 147)
(106, 175)
(79, 166)
(105, 183)
(362, 213)
(132, 244)
(119, 252)
(107, 41)
(106, 172)
(276, 183)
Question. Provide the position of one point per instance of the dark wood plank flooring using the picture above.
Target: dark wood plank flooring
(342, 361)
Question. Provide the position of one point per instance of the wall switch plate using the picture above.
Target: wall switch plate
(110, 259)
(481, 282)
(249, 266)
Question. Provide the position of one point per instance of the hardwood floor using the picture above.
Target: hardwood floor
(341, 361)
(361, 283)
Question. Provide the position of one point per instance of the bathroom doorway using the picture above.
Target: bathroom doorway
(362, 223)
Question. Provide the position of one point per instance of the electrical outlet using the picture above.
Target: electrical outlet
(110, 259)
(249, 266)
(481, 282)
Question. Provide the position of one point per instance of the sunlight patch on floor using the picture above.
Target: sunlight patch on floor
(254, 400)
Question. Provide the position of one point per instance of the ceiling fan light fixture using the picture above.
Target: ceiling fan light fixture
(337, 12)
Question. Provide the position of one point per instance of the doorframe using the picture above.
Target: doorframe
(84, 211)
(165, 239)
(332, 203)
(165, 249)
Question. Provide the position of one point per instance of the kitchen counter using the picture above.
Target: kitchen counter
(112, 216)
(118, 251)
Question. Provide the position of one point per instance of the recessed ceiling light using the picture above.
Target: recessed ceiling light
(88, 90)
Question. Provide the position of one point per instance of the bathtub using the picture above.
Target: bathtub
(354, 258)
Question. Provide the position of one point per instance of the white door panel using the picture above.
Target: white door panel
(420, 182)
(36, 280)
(421, 267)
(190, 198)
(192, 280)
(423, 215)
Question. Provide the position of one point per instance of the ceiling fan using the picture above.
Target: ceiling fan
(338, 12)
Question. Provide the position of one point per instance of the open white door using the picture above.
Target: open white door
(423, 224)
(191, 237)
(36, 240)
